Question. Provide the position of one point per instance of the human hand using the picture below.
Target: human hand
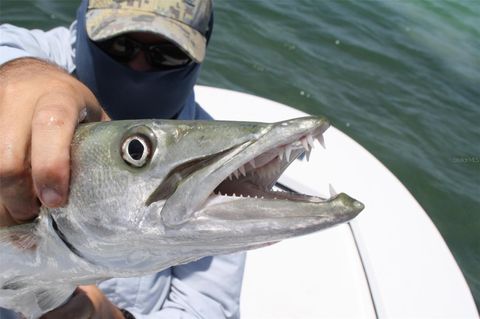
(40, 106)
(88, 302)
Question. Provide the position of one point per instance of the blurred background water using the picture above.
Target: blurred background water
(401, 78)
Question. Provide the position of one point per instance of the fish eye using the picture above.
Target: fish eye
(136, 150)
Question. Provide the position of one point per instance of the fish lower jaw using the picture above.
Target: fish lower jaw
(247, 191)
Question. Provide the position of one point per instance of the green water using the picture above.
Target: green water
(401, 78)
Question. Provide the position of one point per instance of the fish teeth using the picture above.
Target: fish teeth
(242, 170)
(305, 143)
(321, 140)
(307, 155)
(310, 140)
(236, 173)
(280, 155)
(252, 163)
(332, 190)
(288, 151)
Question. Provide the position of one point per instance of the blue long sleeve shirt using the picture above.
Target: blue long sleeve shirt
(208, 288)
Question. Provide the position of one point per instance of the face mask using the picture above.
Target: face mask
(128, 94)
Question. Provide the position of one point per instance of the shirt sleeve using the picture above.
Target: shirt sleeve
(54, 45)
(208, 288)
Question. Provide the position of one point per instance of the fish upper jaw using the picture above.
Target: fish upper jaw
(249, 169)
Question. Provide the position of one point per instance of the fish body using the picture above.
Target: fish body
(146, 195)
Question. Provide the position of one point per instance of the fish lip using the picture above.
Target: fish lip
(168, 186)
(354, 208)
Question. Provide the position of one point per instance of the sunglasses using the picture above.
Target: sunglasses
(163, 55)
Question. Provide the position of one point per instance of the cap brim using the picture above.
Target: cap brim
(103, 24)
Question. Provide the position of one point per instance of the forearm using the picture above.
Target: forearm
(54, 45)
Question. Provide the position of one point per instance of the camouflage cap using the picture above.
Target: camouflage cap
(184, 22)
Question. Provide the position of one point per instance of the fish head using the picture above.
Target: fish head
(168, 192)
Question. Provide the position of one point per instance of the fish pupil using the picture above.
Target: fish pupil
(136, 149)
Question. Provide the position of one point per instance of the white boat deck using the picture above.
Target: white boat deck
(390, 262)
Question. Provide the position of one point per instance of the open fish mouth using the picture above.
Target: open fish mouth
(245, 170)
(257, 176)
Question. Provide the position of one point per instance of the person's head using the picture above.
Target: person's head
(152, 34)
(118, 40)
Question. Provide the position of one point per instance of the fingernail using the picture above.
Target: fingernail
(82, 115)
(50, 197)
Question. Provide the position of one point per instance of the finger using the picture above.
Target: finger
(6, 218)
(17, 196)
(20, 206)
(56, 115)
(54, 120)
(16, 188)
(78, 307)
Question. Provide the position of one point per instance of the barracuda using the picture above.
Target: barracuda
(149, 194)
